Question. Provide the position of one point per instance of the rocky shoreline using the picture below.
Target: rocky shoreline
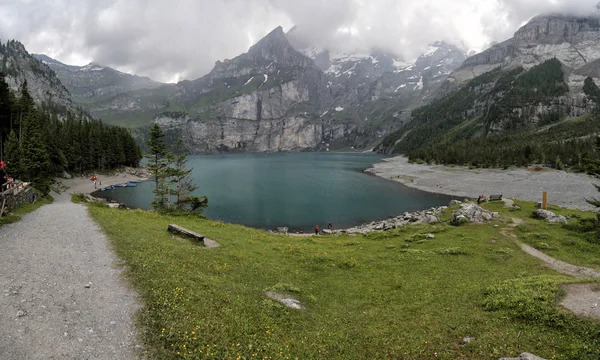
(428, 216)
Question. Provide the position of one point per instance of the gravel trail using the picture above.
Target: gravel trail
(564, 189)
(561, 266)
(61, 295)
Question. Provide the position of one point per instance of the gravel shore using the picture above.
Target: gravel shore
(564, 189)
(61, 295)
(86, 186)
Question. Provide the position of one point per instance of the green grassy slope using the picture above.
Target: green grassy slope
(366, 297)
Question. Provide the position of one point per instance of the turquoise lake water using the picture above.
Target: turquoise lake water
(297, 190)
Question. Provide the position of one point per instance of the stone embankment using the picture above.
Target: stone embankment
(429, 216)
(466, 213)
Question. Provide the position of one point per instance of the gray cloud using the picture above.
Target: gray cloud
(170, 40)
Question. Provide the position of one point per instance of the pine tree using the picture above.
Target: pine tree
(159, 167)
(180, 175)
(35, 163)
(13, 156)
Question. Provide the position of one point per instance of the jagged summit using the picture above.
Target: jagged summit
(276, 35)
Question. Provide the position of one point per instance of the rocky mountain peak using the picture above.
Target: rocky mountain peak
(275, 47)
(557, 28)
(42, 82)
(275, 36)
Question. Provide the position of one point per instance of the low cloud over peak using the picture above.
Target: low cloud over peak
(182, 39)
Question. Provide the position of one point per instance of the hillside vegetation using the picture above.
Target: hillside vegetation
(37, 145)
(393, 294)
(494, 121)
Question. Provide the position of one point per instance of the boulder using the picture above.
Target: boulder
(454, 202)
(460, 220)
(282, 230)
(66, 175)
(473, 214)
(430, 236)
(285, 300)
(525, 356)
(430, 219)
(549, 216)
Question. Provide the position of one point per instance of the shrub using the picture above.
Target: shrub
(452, 251)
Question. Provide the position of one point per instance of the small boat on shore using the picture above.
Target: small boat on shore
(131, 184)
(107, 188)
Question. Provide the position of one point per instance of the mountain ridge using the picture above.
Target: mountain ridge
(521, 100)
(272, 98)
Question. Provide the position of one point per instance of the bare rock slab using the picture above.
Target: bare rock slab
(582, 299)
(549, 216)
(473, 214)
(285, 300)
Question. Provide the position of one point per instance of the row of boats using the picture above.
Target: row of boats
(132, 183)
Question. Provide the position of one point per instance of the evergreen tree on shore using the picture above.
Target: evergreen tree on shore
(159, 167)
(183, 182)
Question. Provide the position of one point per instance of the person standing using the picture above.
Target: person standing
(316, 229)
(95, 183)
(329, 226)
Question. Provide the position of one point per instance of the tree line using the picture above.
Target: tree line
(37, 145)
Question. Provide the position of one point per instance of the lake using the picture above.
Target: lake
(297, 190)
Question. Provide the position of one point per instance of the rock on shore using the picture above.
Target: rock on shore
(414, 218)
(471, 213)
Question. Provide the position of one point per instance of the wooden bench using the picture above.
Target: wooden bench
(495, 197)
(185, 232)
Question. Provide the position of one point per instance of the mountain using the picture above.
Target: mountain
(521, 100)
(272, 98)
(92, 83)
(381, 81)
(575, 41)
(42, 83)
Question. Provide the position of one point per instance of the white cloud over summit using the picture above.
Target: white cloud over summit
(177, 39)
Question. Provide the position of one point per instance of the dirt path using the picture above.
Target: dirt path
(61, 296)
(561, 266)
(581, 299)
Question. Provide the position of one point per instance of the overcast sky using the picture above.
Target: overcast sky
(170, 40)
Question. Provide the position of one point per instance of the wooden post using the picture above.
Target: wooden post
(544, 200)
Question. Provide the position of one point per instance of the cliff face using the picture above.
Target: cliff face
(575, 41)
(42, 83)
(276, 97)
(271, 98)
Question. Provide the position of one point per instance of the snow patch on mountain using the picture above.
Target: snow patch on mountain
(91, 67)
(431, 50)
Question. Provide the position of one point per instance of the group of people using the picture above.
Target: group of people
(329, 227)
